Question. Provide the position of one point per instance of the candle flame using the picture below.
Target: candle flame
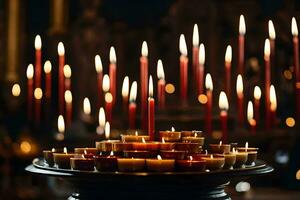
(67, 71)
(182, 45)
(111, 153)
(98, 64)
(133, 92)
(273, 99)
(105, 83)
(37, 42)
(107, 130)
(208, 82)
(136, 133)
(257, 93)
(233, 150)
(101, 117)
(250, 112)
(246, 146)
(85, 152)
(163, 140)
(150, 87)
(191, 158)
(267, 49)
(206, 152)
(16, 90)
(38, 93)
(112, 55)
(68, 96)
(211, 156)
(223, 101)
(52, 150)
(144, 51)
(47, 67)
(29, 71)
(272, 33)
(239, 85)
(195, 134)
(159, 157)
(61, 124)
(125, 87)
(86, 106)
(228, 54)
(201, 54)
(220, 143)
(242, 25)
(160, 70)
(108, 97)
(195, 36)
(143, 140)
(294, 27)
(60, 49)
(172, 129)
(65, 150)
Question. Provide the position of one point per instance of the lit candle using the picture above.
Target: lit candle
(61, 128)
(160, 165)
(183, 68)
(125, 93)
(107, 130)
(257, 96)
(38, 94)
(201, 68)
(151, 111)
(250, 117)
(68, 101)
(214, 163)
(67, 75)
(61, 88)
(228, 58)
(38, 62)
(113, 73)
(101, 121)
(272, 37)
(144, 83)
(47, 70)
(29, 74)
(208, 114)
(224, 106)
(242, 32)
(108, 98)
(160, 84)
(195, 54)
(62, 160)
(273, 104)
(240, 99)
(132, 105)
(86, 110)
(99, 70)
(267, 82)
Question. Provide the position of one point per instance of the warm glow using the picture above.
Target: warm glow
(272, 33)
(239, 85)
(228, 54)
(201, 54)
(105, 83)
(16, 90)
(67, 71)
(220, 143)
(163, 140)
(294, 27)
(112, 55)
(257, 93)
(29, 71)
(98, 64)
(111, 153)
(133, 92)
(267, 48)
(233, 150)
(208, 82)
(38, 93)
(150, 86)
(290, 122)
(246, 145)
(144, 49)
(86, 106)
(250, 112)
(136, 133)
(273, 99)
(172, 129)
(47, 67)
(65, 150)
(159, 157)
(160, 70)
(25, 147)
(202, 98)
(101, 117)
(61, 124)
(60, 49)
(170, 88)
(143, 140)
(195, 36)
(211, 156)
(223, 101)
(53, 150)
(182, 45)
(37, 42)
(68, 96)
(242, 25)
(107, 130)
(108, 97)
(125, 87)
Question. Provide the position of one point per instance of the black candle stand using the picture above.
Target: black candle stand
(149, 185)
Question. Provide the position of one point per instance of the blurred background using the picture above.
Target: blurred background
(90, 27)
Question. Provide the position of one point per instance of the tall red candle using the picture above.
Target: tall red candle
(241, 52)
(267, 83)
(61, 88)
(250, 117)
(144, 83)
(48, 87)
(195, 54)
(200, 71)
(132, 105)
(38, 94)
(125, 93)
(38, 61)
(67, 75)
(160, 84)
(240, 99)
(113, 73)
(151, 111)
(183, 68)
(257, 96)
(224, 106)
(228, 58)
(273, 105)
(208, 114)
(99, 70)
(29, 74)
(68, 101)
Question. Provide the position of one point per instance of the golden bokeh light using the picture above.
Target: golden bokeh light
(170, 88)
(202, 98)
(25, 147)
(288, 74)
(290, 122)
(16, 90)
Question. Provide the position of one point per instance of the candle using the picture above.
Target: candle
(170, 136)
(188, 147)
(67, 75)
(62, 160)
(160, 165)
(108, 97)
(208, 114)
(61, 64)
(272, 37)
(183, 68)
(86, 117)
(144, 83)
(220, 148)
(38, 61)
(119, 147)
(61, 128)
(195, 54)
(273, 104)
(257, 96)
(173, 154)
(230, 159)
(106, 146)
(131, 164)
(106, 163)
(250, 117)
(241, 52)
(86, 151)
(99, 70)
(240, 99)
(252, 153)
(149, 146)
(224, 106)
(228, 58)
(200, 70)
(132, 105)
(82, 163)
(107, 130)
(191, 165)
(134, 138)
(191, 133)
(101, 121)
(139, 154)
(166, 145)
(160, 84)
(68, 100)
(267, 83)
(125, 93)
(151, 111)
(29, 74)
(241, 158)
(214, 163)
(194, 139)
(38, 94)
(48, 156)
(113, 73)
(48, 86)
